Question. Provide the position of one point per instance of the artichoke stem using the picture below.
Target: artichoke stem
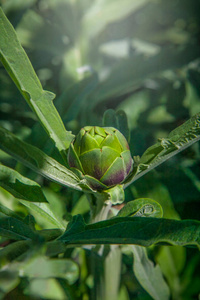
(99, 208)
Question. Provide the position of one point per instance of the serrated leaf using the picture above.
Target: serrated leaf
(140, 231)
(178, 140)
(13, 58)
(149, 276)
(19, 186)
(143, 207)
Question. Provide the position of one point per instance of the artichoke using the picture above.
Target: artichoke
(101, 156)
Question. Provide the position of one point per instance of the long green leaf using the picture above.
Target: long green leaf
(14, 250)
(178, 140)
(22, 73)
(149, 276)
(172, 262)
(20, 186)
(8, 212)
(44, 210)
(140, 231)
(15, 229)
(44, 267)
(37, 160)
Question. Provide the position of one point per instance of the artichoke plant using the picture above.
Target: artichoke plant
(101, 156)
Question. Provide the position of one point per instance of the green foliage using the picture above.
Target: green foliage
(118, 120)
(137, 230)
(16, 229)
(20, 186)
(134, 65)
(37, 160)
(141, 207)
(149, 275)
(179, 139)
(40, 101)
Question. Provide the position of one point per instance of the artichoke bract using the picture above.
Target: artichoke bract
(100, 155)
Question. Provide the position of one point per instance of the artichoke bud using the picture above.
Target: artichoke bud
(101, 156)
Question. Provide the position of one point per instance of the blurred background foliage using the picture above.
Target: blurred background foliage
(141, 56)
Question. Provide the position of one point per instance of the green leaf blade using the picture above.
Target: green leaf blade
(13, 58)
(37, 160)
(149, 276)
(178, 140)
(14, 250)
(44, 210)
(19, 186)
(138, 231)
(8, 212)
(15, 229)
(42, 267)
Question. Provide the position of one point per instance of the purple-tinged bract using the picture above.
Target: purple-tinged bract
(101, 156)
